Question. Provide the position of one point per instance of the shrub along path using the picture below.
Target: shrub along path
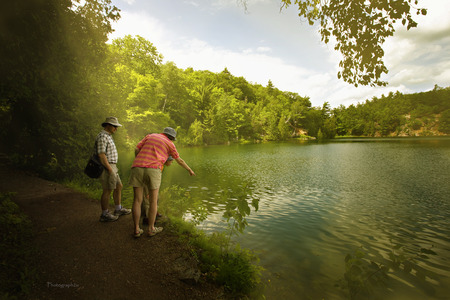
(79, 257)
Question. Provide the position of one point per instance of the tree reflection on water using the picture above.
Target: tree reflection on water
(236, 204)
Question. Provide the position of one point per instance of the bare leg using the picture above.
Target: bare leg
(104, 200)
(117, 195)
(153, 209)
(136, 210)
(146, 204)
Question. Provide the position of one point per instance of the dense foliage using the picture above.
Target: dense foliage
(17, 273)
(60, 79)
(420, 114)
(359, 29)
(51, 70)
(234, 268)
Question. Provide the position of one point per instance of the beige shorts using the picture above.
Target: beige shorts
(110, 181)
(145, 177)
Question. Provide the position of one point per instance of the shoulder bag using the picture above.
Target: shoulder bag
(94, 167)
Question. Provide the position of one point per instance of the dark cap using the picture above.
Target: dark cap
(170, 131)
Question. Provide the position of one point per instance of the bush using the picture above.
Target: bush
(234, 268)
(416, 124)
(237, 272)
(16, 251)
(444, 122)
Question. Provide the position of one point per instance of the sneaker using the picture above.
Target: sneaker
(108, 218)
(121, 212)
(156, 231)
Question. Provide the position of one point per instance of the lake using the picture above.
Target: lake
(314, 203)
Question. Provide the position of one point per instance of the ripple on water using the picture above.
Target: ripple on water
(319, 202)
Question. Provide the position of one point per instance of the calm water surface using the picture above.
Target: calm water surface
(320, 201)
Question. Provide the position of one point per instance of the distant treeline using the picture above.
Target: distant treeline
(419, 114)
(61, 79)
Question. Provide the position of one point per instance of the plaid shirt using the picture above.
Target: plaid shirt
(104, 143)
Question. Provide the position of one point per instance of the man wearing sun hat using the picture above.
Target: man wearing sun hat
(152, 152)
(106, 150)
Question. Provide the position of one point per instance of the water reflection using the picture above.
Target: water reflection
(305, 206)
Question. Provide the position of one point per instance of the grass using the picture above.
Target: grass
(225, 263)
(235, 269)
(93, 189)
(16, 250)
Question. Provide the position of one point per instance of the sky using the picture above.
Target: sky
(265, 43)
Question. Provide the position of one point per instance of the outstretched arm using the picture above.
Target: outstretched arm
(181, 162)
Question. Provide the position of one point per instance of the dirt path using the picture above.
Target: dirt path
(82, 258)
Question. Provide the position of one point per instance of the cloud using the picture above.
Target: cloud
(256, 65)
(138, 24)
(417, 59)
(420, 56)
(264, 49)
(193, 3)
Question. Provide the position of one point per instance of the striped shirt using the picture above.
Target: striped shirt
(154, 150)
(104, 143)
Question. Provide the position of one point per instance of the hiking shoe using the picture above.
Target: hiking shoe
(121, 212)
(108, 218)
(156, 231)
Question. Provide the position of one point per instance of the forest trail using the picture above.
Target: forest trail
(79, 257)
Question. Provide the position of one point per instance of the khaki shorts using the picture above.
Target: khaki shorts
(145, 177)
(110, 181)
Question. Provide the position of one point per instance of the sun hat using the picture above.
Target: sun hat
(112, 121)
(170, 131)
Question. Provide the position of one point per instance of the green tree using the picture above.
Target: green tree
(200, 85)
(329, 128)
(444, 122)
(145, 95)
(273, 115)
(177, 101)
(296, 113)
(195, 133)
(229, 115)
(136, 53)
(243, 90)
(313, 121)
(284, 129)
(50, 51)
(359, 28)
